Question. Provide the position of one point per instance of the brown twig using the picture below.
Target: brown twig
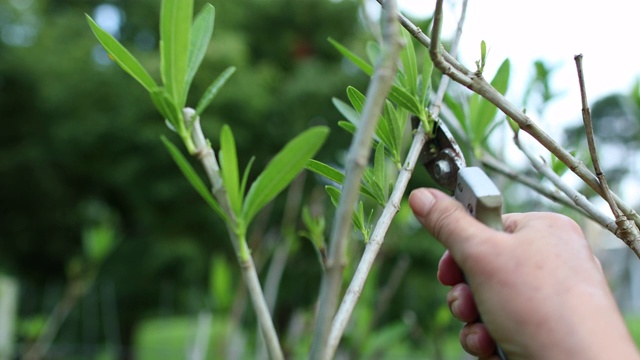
(627, 230)
(476, 83)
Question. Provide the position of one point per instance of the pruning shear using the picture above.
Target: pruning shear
(444, 161)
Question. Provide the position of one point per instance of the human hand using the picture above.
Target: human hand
(540, 290)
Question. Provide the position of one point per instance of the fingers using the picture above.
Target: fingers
(449, 272)
(462, 304)
(475, 340)
(442, 215)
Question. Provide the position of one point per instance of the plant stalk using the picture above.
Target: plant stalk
(357, 160)
(207, 158)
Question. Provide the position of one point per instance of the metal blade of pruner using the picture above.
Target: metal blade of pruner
(444, 161)
(442, 157)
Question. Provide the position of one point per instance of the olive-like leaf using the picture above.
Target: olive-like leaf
(122, 56)
(409, 62)
(201, 33)
(347, 111)
(213, 89)
(282, 169)
(358, 61)
(350, 127)
(356, 98)
(192, 177)
(333, 175)
(229, 168)
(175, 36)
(380, 171)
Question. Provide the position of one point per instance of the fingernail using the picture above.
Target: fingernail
(421, 202)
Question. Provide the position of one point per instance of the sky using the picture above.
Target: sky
(605, 33)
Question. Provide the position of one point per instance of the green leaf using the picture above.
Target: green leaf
(213, 89)
(229, 168)
(485, 112)
(282, 169)
(122, 56)
(380, 171)
(409, 63)
(347, 111)
(358, 61)
(356, 98)
(220, 282)
(175, 38)
(350, 127)
(192, 177)
(98, 241)
(332, 174)
(334, 194)
(425, 80)
(373, 51)
(359, 221)
(201, 33)
(371, 184)
(407, 101)
(167, 108)
(245, 175)
(514, 126)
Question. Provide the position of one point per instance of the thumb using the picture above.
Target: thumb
(446, 219)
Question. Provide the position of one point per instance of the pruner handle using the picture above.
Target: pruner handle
(483, 200)
(480, 196)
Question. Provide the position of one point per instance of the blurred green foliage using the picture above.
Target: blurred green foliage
(84, 173)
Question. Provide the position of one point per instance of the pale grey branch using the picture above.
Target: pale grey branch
(357, 160)
(207, 158)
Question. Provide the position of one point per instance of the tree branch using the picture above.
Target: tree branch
(479, 85)
(382, 225)
(629, 234)
(357, 160)
(580, 200)
(207, 158)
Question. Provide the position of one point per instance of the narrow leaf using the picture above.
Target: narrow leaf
(425, 80)
(356, 98)
(486, 111)
(282, 169)
(373, 186)
(332, 174)
(213, 89)
(409, 63)
(175, 35)
(192, 176)
(245, 175)
(380, 170)
(358, 61)
(350, 127)
(201, 32)
(122, 56)
(406, 101)
(346, 110)
(229, 167)
(334, 194)
(167, 108)
(373, 52)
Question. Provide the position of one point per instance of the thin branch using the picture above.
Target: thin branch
(479, 85)
(281, 253)
(357, 160)
(580, 200)
(630, 235)
(552, 194)
(207, 158)
(382, 225)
